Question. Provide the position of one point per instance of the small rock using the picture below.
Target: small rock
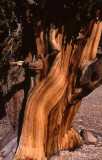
(87, 136)
(79, 120)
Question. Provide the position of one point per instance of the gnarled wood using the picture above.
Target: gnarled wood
(53, 103)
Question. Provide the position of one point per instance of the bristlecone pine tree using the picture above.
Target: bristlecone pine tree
(69, 73)
(66, 73)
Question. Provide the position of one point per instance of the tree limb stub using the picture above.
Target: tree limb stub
(93, 74)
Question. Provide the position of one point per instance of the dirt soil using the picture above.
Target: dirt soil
(89, 117)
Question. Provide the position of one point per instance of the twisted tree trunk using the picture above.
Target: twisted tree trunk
(68, 75)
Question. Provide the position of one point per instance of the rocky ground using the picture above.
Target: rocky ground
(88, 118)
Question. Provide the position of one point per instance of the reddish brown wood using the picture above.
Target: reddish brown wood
(55, 100)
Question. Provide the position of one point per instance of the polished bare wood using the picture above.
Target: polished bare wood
(55, 100)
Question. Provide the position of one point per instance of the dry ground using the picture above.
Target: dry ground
(89, 117)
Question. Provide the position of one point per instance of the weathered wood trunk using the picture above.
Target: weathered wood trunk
(53, 103)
